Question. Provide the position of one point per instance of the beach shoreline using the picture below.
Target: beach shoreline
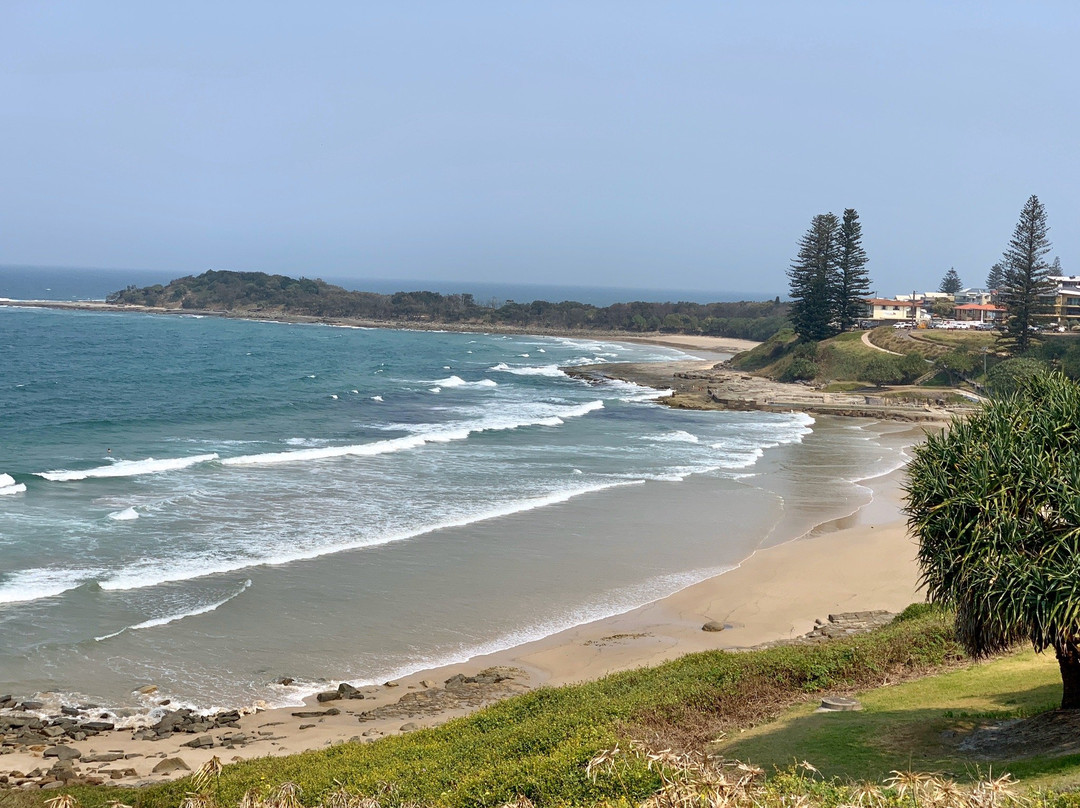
(860, 562)
(685, 342)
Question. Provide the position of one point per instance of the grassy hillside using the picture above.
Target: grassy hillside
(842, 358)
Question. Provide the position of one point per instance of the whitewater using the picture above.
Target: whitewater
(206, 504)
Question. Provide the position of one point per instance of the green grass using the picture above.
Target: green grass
(916, 725)
(974, 341)
(539, 744)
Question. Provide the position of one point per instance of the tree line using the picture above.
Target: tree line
(255, 292)
(829, 281)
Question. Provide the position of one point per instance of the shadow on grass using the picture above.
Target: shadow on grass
(868, 745)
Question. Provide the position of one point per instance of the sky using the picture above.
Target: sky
(655, 144)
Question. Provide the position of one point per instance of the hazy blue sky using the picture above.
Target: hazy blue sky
(659, 144)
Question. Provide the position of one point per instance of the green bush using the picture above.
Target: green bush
(1007, 377)
(800, 369)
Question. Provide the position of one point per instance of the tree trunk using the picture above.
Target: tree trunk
(1069, 661)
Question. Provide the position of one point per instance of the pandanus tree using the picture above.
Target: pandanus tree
(995, 504)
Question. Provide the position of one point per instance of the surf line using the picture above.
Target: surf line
(162, 621)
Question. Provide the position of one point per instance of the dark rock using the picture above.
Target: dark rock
(63, 770)
(202, 742)
(328, 695)
(347, 691)
(284, 680)
(63, 752)
(53, 731)
(713, 625)
(68, 710)
(306, 726)
(169, 765)
(103, 757)
(31, 705)
(98, 726)
(316, 713)
(409, 727)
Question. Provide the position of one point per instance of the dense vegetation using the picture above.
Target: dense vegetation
(257, 292)
(828, 277)
(995, 503)
(539, 744)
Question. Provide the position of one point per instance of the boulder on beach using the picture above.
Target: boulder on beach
(713, 625)
(170, 765)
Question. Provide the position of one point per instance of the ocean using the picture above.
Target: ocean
(208, 505)
(74, 283)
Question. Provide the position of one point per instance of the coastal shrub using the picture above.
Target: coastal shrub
(775, 347)
(539, 744)
(1009, 376)
(882, 369)
(799, 369)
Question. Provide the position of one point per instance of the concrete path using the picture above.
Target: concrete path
(866, 341)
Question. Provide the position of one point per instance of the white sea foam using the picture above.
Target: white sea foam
(678, 436)
(128, 468)
(376, 398)
(172, 618)
(34, 584)
(549, 416)
(435, 390)
(457, 381)
(9, 486)
(333, 396)
(543, 370)
(125, 515)
(152, 572)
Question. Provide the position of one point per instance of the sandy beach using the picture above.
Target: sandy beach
(861, 562)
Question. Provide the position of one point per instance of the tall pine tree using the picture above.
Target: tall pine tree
(951, 284)
(813, 279)
(995, 278)
(852, 279)
(1027, 287)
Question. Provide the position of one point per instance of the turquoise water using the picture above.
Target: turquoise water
(208, 504)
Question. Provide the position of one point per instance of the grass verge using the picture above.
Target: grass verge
(918, 725)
